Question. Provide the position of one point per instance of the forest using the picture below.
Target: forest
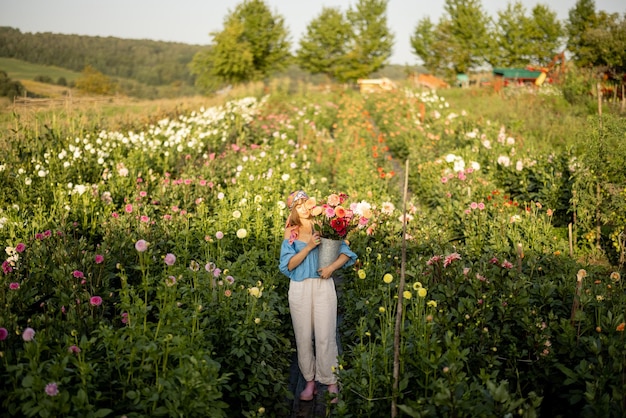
(150, 62)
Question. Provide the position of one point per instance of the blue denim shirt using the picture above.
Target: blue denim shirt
(308, 268)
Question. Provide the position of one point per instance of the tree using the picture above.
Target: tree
(582, 18)
(521, 40)
(372, 41)
(253, 44)
(10, 88)
(423, 42)
(467, 32)
(323, 48)
(596, 39)
(512, 31)
(547, 34)
(94, 82)
(458, 43)
(607, 43)
(230, 61)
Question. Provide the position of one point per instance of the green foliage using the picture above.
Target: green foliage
(522, 40)
(23, 70)
(599, 187)
(512, 30)
(547, 34)
(94, 82)
(324, 46)
(465, 32)
(252, 45)
(371, 42)
(149, 62)
(497, 319)
(347, 48)
(460, 41)
(230, 61)
(577, 87)
(596, 38)
(607, 43)
(581, 19)
(10, 88)
(423, 41)
(44, 79)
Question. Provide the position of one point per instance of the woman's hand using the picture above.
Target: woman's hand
(315, 240)
(326, 272)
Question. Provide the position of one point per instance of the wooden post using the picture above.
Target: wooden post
(598, 224)
(576, 301)
(621, 239)
(574, 216)
(571, 242)
(599, 88)
(598, 185)
(396, 336)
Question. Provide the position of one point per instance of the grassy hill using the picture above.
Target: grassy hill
(26, 72)
(22, 70)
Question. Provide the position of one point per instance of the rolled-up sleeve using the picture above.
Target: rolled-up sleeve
(347, 251)
(287, 251)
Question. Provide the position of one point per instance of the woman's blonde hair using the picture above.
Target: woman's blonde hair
(294, 218)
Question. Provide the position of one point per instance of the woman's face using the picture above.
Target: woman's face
(303, 211)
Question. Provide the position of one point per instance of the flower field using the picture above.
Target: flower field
(140, 271)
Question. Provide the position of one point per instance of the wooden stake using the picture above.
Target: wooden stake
(396, 337)
(598, 221)
(571, 241)
(599, 104)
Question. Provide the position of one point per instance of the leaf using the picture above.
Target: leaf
(567, 372)
(409, 411)
(501, 394)
(27, 381)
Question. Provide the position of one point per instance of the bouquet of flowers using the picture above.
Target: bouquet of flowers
(335, 217)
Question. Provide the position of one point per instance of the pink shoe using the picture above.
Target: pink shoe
(309, 391)
(333, 389)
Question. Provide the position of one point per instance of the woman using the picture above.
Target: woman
(312, 297)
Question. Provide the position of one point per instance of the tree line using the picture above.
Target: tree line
(347, 46)
(154, 63)
(466, 38)
(254, 44)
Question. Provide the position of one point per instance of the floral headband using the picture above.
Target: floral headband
(295, 196)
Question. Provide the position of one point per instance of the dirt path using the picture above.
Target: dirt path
(320, 406)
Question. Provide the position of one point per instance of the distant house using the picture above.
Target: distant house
(375, 85)
(462, 80)
(515, 75)
(428, 81)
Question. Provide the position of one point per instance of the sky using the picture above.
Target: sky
(191, 21)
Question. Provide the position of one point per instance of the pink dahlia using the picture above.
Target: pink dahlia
(95, 301)
(52, 389)
(141, 245)
(450, 258)
(28, 334)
